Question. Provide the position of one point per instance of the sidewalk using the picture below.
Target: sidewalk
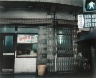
(50, 75)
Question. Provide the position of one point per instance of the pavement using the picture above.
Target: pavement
(49, 75)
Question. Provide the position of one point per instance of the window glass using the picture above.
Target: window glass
(27, 44)
(27, 49)
(27, 30)
(7, 29)
(8, 44)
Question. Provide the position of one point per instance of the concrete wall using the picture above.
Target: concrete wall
(69, 2)
(20, 13)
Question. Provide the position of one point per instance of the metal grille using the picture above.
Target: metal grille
(65, 64)
(66, 49)
(51, 65)
(63, 59)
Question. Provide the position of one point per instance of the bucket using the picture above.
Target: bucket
(41, 69)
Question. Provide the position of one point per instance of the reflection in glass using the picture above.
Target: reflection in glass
(8, 44)
(7, 29)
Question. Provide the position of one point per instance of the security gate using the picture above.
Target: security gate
(64, 60)
(65, 54)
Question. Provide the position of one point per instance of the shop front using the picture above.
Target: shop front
(18, 49)
(21, 33)
(23, 41)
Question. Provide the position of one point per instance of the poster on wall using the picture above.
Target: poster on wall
(27, 39)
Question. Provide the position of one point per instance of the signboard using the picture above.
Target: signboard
(80, 21)
(86, 20)
(27, 39)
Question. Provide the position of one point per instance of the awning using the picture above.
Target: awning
(88, 38)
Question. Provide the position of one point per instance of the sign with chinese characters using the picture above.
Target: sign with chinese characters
(80, 21)
(27, 39)
(86, 20)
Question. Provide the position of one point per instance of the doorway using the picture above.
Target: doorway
(7, 49)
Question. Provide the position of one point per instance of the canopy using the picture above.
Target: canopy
(88, 38)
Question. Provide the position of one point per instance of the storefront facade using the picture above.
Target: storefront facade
(20, 34)
(21, 40)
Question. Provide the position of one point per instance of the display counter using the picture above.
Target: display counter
(25, 63)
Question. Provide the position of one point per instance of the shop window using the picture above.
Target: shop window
(27, 45)
(8, 44)
(26, 49)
